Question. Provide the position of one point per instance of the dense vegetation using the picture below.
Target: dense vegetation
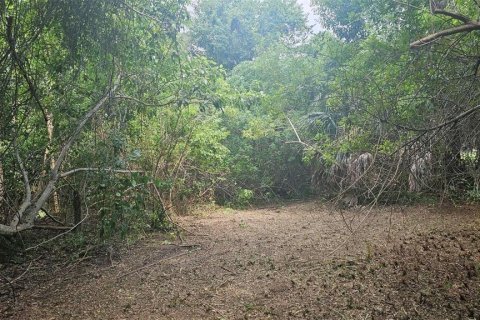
(118, 113)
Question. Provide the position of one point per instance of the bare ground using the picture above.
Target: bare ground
(299, 261)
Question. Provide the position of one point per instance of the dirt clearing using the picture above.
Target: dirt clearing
(298, 261)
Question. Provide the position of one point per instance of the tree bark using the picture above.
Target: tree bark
(47, 155)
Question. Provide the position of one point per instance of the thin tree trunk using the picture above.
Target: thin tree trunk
(2, 194)
(77, 209)
(25, 217)
(50, 129)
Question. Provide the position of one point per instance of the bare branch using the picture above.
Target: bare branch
(296, 133)
(73, 171)
(42, 196)
(58, 236)
(66, 147)
(472, 26)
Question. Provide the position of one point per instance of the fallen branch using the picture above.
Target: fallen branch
(153, 264)
(10, 284)
(47, 227)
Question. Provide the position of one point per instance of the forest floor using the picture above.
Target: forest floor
(298, 261)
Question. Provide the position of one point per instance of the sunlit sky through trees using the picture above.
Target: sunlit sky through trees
(307, 8)
(312, 17)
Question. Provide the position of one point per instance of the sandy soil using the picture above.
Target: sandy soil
(298, 261)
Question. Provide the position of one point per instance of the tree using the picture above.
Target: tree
(63, 62)
(406, 107)
(234, 31)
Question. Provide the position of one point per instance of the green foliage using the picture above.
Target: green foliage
(234, 31)
(244, 197)
(256, 115)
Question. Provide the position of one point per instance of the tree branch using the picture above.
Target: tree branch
(143, 14)
(443, 124)
(471, 26)
(453, 15)
(58, 236)
(73, 171)
(296, 133)
(31, 86)
(28, 215)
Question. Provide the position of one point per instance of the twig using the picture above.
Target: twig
(184, 245)
(444, 124)
(153, 264)
(58, 236)
(11, 287)
(230, 271)
(144, 14)
(24, 272)
(349, 227)
(52, 217)
(296, 133)
(372, 204)
(165, 208)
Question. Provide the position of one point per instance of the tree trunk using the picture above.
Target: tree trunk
(2, 195)
(50, 128)
(25, 217)
(77, 210)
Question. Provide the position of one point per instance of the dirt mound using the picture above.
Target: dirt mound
(299, 261)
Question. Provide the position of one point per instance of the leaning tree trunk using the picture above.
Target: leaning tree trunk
(25, 216)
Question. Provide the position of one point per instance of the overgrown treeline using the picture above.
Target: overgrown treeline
(129, 110)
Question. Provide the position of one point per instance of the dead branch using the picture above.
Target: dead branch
(47, 227)
(10, 284)
(296, 133)
(456, 119)
(73, 171)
